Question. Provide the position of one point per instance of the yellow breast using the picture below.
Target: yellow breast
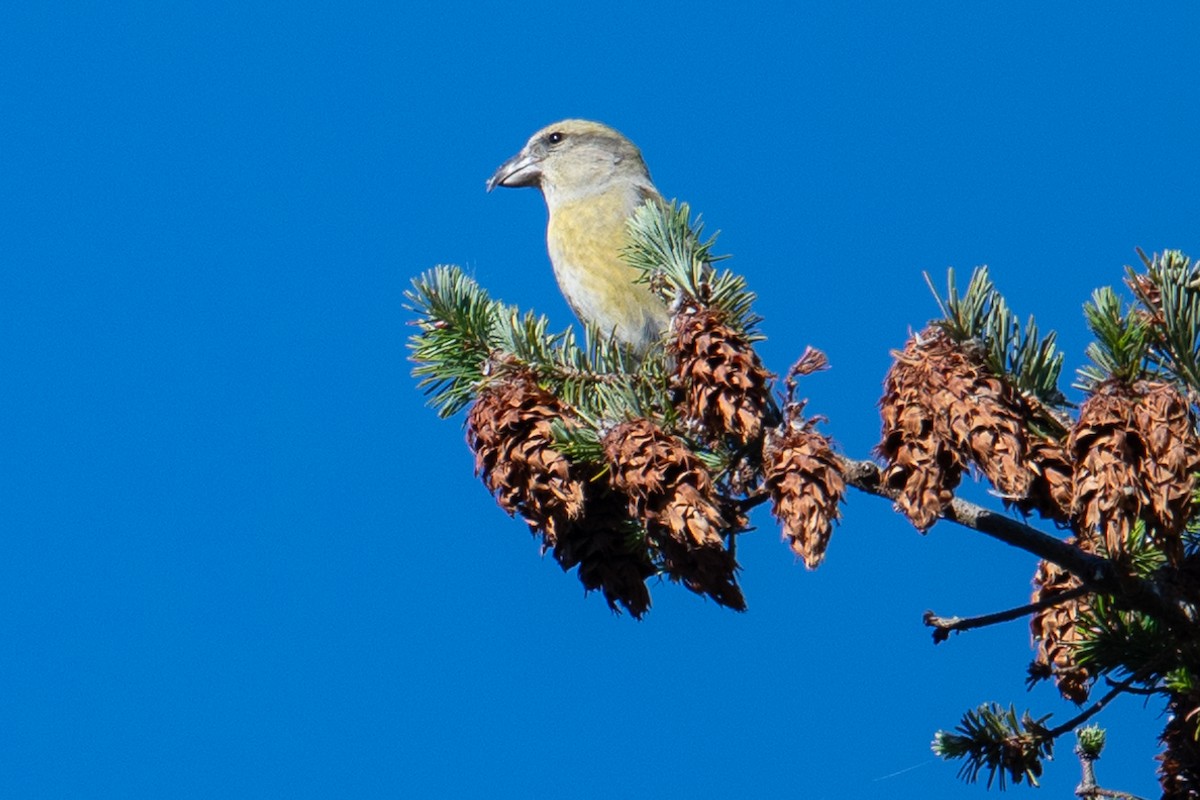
(585, 238)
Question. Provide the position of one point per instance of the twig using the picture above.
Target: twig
(1099, 791)
(756, 499)
(565, 372)
(944, 625)
(1145, 692)
(1096, 707)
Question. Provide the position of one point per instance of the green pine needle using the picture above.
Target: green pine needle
(1117, 641)
(1122, 341)
(580, 445)
(993, 739)
(677, 263)
(1181, 681)
(1032, 363)
(465, 338)
(458, 326)
(1175, 313)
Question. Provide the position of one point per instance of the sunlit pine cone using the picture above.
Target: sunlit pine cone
(722, 382)
(671, 493)
(922, 463)
(942, 411)
(984, 417)
(509, 430)
(1164, 421)
(1108, 451)
(802, 476)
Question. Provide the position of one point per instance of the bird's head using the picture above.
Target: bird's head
(573, 158)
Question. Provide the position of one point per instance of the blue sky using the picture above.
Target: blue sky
(241, 558)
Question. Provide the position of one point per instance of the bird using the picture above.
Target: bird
(593, 179)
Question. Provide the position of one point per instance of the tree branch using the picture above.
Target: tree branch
(1100, 574)
(944, 625)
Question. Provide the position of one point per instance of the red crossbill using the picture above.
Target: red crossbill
(593, 179)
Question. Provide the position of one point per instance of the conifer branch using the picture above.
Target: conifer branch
(1118, 639)
(994, 739)
(865, 476)
(458, 326)
(635, 464)
(1169, 293)
(467, 339)
(1098, 573)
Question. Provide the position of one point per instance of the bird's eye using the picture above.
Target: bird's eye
(554, 138)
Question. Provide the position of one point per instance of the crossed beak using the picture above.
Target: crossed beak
(520, 170)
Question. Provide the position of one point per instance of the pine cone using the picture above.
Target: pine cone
(802, 476)
(1137, 455)
(721, 379)
(987, 421)
(942, 411)
(509, 430)
(1050, 492)
(1055, 632)
(584, 523)
(1179, 763)
(606, 545)
(671, 493)
(921, 462)
(1107, 450)
(1165, 423)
